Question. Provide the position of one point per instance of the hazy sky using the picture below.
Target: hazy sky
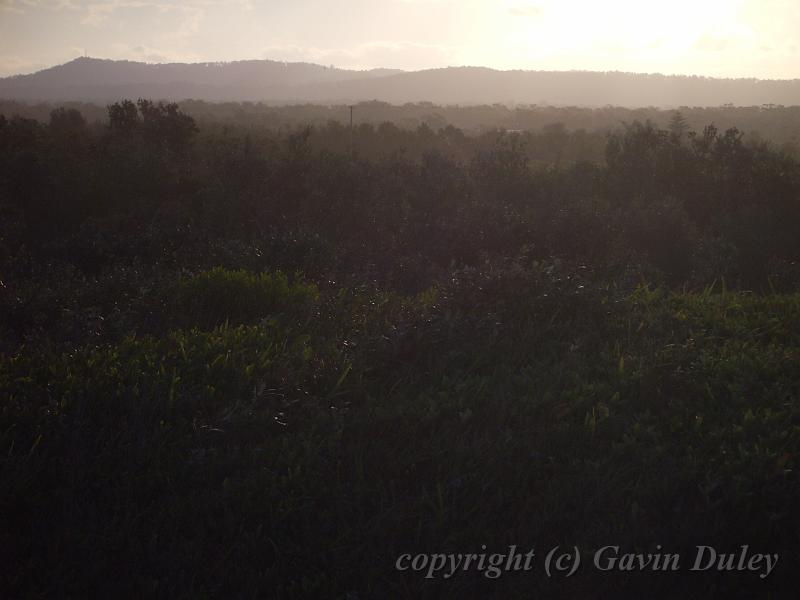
(730, 38)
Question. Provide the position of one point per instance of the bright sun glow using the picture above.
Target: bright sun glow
(632, 34)
(729, 38)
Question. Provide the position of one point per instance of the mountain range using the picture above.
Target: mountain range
(99, 80)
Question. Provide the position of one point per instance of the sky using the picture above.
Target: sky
(718, 38)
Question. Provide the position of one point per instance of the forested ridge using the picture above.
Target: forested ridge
(241, 359)
(101, 80)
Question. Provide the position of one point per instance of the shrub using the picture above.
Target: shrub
(217, 296)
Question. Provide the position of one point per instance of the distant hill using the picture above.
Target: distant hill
(92, 79)
(96, 80)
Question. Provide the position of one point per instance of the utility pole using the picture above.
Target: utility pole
(351, 132)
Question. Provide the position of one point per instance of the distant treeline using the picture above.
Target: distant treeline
(779, 125)
(686, 206)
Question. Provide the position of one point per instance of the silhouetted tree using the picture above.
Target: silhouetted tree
(678, 125)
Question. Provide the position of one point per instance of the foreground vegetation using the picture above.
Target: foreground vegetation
(238, 366)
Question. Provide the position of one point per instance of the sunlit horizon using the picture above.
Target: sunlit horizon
(716, 38)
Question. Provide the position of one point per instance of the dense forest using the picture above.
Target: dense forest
(779, 125)
(252, 358)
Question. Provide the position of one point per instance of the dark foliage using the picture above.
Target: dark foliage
(475, 346)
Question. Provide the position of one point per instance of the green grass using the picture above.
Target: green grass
(299, 456)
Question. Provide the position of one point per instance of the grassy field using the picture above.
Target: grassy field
(264, 437)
